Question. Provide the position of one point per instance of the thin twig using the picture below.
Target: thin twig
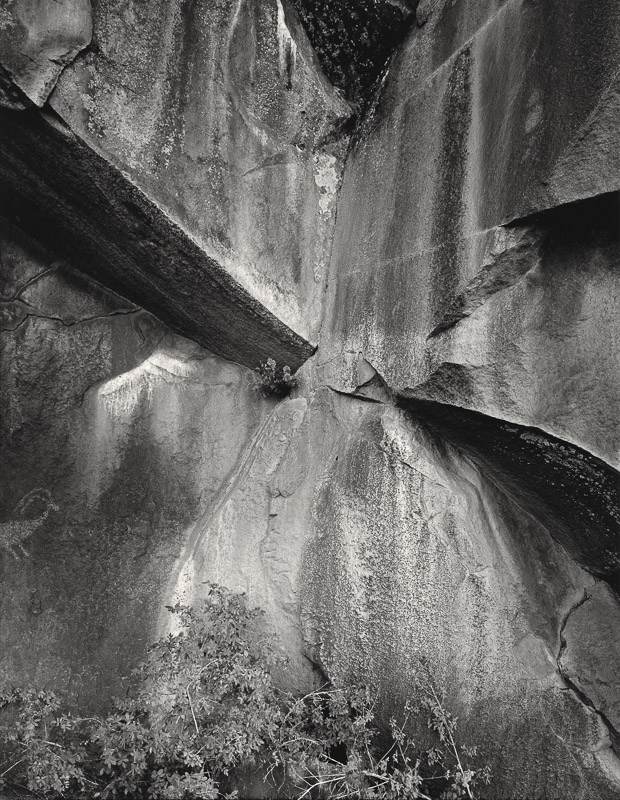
(191, 708)
(2, 774)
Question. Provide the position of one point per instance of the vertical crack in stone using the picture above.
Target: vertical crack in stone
(579, 694)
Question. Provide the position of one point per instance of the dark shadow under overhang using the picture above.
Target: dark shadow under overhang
(574, 494)
(63, 193)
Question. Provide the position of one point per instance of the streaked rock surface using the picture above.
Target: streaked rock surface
(442, 487)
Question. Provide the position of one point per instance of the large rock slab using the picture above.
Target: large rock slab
(476, 254)
(418, 559)
(466, 135)
(222, 116)
(376, 547)
(53, 184)
(405, 506)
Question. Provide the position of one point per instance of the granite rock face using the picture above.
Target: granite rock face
(442, 488)
(221, 115)
(72, 198)
(37, 41)
(117, 428)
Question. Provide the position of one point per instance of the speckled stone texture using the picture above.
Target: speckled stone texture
(219, 112)
(442, 487)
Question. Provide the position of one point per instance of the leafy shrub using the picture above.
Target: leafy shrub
(202, 706)
(276, 380)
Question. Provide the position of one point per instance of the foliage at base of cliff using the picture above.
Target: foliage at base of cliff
(203, 707)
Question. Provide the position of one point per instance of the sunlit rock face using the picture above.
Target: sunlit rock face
(451, 275)
(442, 486)
(219, 112)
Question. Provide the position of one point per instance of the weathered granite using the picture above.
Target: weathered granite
(442, 486)
(37, 41)
(220, 113)
(57, 187)
(127, 431)
(464, 270)
(394, 550)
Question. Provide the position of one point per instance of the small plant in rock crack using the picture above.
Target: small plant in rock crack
(275, 380)
(203, 707)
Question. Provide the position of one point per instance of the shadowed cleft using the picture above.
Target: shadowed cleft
(570, 491)
(353, 39)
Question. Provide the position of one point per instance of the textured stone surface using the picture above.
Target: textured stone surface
(417, 556)
(452, 281)
(394, 549)
(131, 430)
(37, 41)
(589, 653)
(520, 317)
(442, 486)
(575, 495)
(55, 185)
(220, 113)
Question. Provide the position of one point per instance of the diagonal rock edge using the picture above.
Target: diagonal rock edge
(37, 42)
(374, 389)
(79, 204)
(511, 253)
(517, 248)
(605, 748)
(573, 493)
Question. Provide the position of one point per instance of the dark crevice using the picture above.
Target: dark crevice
(354, 39)
(574, 494)
(582, 601)
(354, 395)
(36, 314)
(614, 736)
(27, 285)
(318, 669)
(593, 218)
